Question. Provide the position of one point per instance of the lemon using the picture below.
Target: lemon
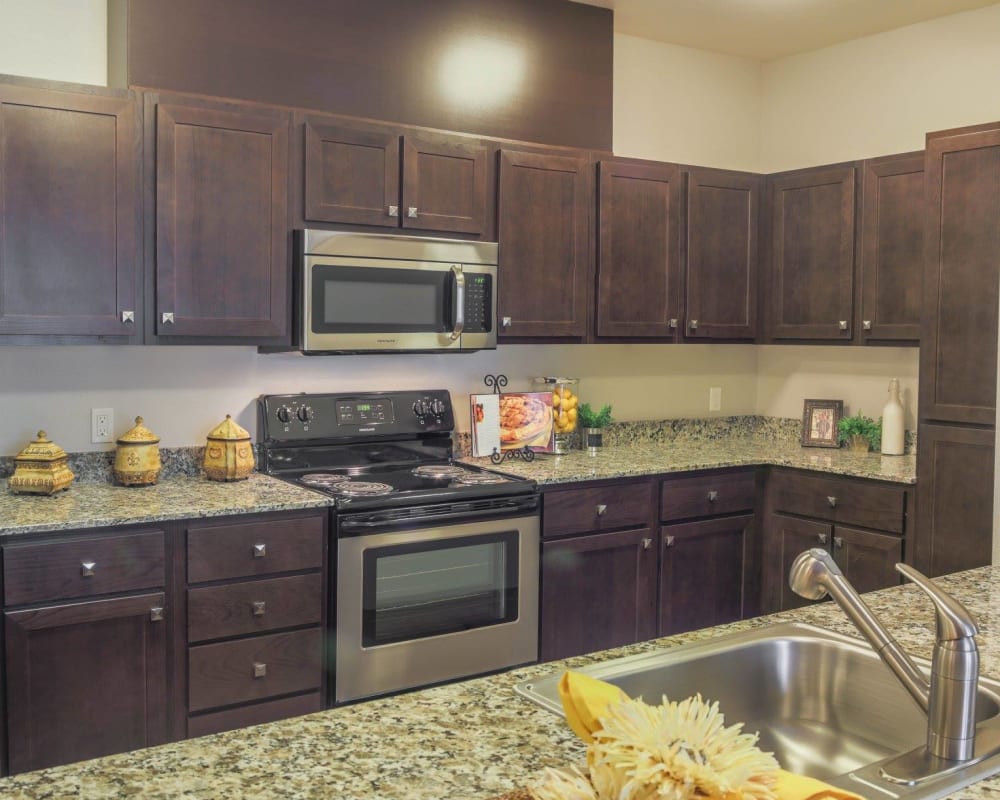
(556, 399)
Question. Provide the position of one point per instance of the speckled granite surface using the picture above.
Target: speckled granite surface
(635, 459)
(466, 741)
(96, 505)
(99, 466)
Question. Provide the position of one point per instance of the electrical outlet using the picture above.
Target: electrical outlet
(102, 425)
(715, 398)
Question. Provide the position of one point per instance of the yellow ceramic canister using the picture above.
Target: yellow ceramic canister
(228, 452)
(137, 458)
(40, 468)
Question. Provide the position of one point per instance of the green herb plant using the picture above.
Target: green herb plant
(860, 425)
(589, 418)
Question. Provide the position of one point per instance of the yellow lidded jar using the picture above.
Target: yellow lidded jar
(564, 409)
(137, 457)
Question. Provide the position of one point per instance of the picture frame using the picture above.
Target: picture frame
(819, 422)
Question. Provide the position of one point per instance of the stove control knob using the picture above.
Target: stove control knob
(437, 406)
(305, 414)
(420, 408)
(284, 414)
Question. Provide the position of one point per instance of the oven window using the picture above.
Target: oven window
(383, 300)
(412, 591)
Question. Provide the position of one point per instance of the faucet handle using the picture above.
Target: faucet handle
(954, 621)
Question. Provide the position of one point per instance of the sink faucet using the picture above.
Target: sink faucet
(949, 700)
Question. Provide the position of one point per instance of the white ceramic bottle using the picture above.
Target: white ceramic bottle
(892, 422)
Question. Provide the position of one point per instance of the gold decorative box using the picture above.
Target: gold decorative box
(40, 468)
(228, 452)
(137, 458)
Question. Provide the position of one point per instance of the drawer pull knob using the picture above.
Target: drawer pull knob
(669, 542)
(259, 608)
(156, 614)
(822, 538)
(259, 550)
(843, 324)
(838, 541)
(713, 496)
(602, 509)
(647, 543)
(672, 322)
(867, 324)
(832, 501)
(693, 324)
(87, 568)
(393, 211)
(411, 212)
(259, 670)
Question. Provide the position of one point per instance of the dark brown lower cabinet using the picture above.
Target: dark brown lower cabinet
(867, 558)
(598, 591)
(955, 498)
(702, 577)
(85, 680)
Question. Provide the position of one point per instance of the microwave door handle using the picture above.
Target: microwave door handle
(459, 300)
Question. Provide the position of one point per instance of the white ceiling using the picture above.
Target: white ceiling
(768, 29)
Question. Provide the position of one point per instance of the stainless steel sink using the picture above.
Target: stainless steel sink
(824, 704)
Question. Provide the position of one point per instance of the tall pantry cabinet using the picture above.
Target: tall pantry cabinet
(958, 355)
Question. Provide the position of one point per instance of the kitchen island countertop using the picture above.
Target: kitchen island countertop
(464, 741)
(638, 459)
(98, 505)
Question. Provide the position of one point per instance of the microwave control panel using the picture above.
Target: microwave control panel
(478, 303)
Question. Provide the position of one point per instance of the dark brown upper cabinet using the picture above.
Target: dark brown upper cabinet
(723, 210)
(638, 266)
(891, 251)
(70, 216)
(958, 352)
(544, 225)
(220, 181)
(352, 176)
(809, 290)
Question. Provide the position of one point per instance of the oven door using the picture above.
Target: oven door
(430, 604)
(363, 304)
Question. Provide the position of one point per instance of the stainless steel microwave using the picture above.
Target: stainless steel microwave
(362, 292)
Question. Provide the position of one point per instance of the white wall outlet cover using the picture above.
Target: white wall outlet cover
(715, 398)
(102, 425)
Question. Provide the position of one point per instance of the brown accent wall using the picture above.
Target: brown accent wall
(382, 59)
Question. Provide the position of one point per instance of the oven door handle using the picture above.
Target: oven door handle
(459, 300)
(387, 519)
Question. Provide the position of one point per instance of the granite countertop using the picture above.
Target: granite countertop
(465, 741)
(97, 505)
(635, 459)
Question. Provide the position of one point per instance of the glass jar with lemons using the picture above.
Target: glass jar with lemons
(564, 409)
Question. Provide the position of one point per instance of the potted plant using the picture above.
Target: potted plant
(860, 433)
(593, 424)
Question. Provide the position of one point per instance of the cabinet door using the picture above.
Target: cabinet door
(544, 234)
(638, 267)
(444, 184)
(892, 248)
(598, 591)
(867, 559)
(222, 255)
(721, 263)
(958, 353)
(811, 254)
(784, 538)
(351, 176)
(702, 573)
(85, 680)
(69, 213)
(954, 530)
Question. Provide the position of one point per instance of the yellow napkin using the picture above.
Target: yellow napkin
(585, 700)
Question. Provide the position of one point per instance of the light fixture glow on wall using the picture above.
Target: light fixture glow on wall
(480, 71)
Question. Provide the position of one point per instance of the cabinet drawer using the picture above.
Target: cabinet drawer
(598, 508)
(257, 714)
(253, 669)
(254, 606)
(83, 567)
(706, 495)
(242, 550)
(852, 502)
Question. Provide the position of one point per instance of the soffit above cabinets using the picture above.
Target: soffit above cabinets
(770, 29)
